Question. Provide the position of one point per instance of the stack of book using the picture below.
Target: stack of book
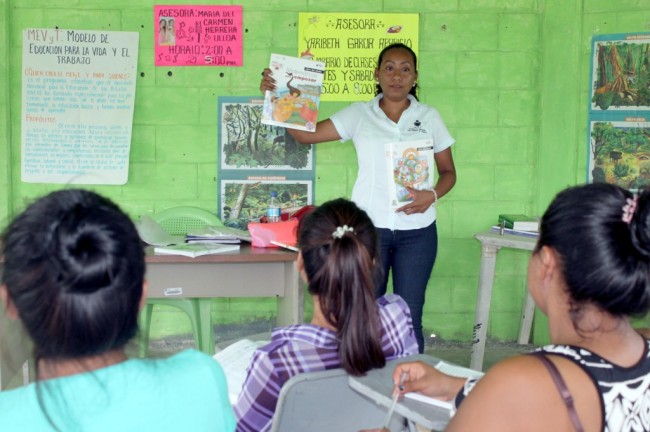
(195, 250)
(217, 234)
(518, 224)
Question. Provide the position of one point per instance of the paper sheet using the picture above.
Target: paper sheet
(449, 369)
(458, 371)
(234, 359)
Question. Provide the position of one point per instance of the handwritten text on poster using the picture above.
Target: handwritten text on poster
(78, 94)
(349, 44)
(198, 35)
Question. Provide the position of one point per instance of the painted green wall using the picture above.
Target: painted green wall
(510, 78)
(4, 118)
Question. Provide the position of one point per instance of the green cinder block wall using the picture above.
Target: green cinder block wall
(510, 78)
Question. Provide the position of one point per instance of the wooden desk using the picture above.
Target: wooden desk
(491, 243)
(249, 272)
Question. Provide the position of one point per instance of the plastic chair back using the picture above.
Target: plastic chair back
(179, 220)
(324, 402)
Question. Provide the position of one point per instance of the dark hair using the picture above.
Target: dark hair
(414, 89)
(605, 260)
(340, 270)
(74, 268)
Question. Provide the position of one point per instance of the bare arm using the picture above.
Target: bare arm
(325, 130)
(518, 394)
(446, 172)
(425, 379)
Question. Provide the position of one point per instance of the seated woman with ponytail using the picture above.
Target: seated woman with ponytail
(74, 276)
(349, 330)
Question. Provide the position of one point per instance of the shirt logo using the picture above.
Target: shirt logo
(416, 127)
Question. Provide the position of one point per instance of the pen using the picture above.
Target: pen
(394, 401)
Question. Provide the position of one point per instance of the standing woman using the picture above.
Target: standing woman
(408, 236)
(74, 276)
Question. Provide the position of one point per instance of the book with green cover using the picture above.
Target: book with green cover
(519, 222)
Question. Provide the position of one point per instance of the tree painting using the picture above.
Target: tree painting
(247, 143)
(621, 75)
(246, 201)
(620, 153)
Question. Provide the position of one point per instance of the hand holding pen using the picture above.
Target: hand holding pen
(391, 409)
(426, 379)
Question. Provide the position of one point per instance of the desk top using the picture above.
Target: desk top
(378, 386)
(246, 253)
(506, 240)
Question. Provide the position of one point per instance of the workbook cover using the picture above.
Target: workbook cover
(294, 103)
(408, 163)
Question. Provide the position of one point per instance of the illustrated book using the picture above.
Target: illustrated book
(519, 222)
(408, 163)
(294, 102)
(217, 234)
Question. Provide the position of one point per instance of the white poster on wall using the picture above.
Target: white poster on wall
(77, 105)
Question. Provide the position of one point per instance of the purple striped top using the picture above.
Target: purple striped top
(309, 348)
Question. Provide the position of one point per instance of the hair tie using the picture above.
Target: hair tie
(340, 231)
(629, 208)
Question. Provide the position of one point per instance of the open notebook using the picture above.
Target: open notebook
(425, 411)
(449, 369)
(234, 360)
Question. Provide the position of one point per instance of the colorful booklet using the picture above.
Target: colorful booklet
(294, 103)
(408, 163)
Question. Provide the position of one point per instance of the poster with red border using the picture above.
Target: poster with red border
(198, 35)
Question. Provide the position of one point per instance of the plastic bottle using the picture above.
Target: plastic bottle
(273, 211)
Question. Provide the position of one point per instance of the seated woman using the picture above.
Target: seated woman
(349, 330)
(74, 276)
(589, 273)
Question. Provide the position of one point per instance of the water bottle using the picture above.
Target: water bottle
(273, 211)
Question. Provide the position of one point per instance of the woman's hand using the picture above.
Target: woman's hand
(422, 200)
(267, 83)
(425, 379)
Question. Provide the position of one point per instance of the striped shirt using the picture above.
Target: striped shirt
(310, 348)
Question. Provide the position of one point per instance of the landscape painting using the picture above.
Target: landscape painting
(244, 201)
(246, 143)
(621, 74)
(619, 153)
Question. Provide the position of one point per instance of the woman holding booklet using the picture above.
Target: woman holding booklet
(589, 273)
(408, 233)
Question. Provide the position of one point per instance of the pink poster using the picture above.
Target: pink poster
(198, 35)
